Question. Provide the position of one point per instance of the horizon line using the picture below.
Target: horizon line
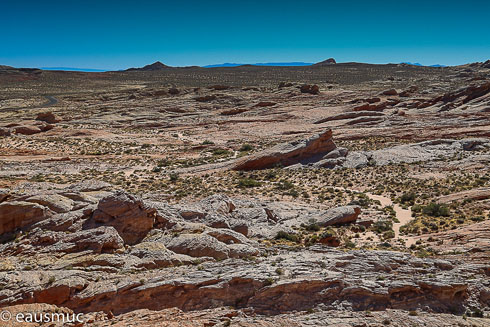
(270, 64)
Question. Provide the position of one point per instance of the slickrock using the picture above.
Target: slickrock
(472, 238)
(318, 151)
(301, 151)
(423, 151)
(305, 284)
(474, 194)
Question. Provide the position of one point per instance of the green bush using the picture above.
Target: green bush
(282, 235)
(416, 208)
(382, 226)
(408, 198)
(436, 210)
(221, 152)
(248, 183)
(328, 233)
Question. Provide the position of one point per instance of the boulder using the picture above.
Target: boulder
(336, 216)
(98, 240)
(228, 236)
(389, 92)
(18, 214)
(173, 91)
(156, 255)
(311, 89)
(30, 128)
(47, 117)
(54, 202)
(241, 251)
(199, 245)
(127, 214)
(27, 129)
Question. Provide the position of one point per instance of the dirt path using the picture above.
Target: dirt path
(403, 215)
(51, 102)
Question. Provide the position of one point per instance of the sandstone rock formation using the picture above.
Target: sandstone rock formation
(303, 152)
(19, 214)
(320, 151)
(48, 117)
(337, 216)
(127, 214)
(311, 89)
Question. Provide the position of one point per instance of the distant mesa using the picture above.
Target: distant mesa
(153, 67)
(329, 61)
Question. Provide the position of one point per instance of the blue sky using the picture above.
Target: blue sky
(122, 34)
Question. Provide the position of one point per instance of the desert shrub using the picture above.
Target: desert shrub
(313, 227)
(246, 147)
(436, 210)
(349, 244)
(382, 226)
(279, 271)
(221, 152)
(328, 233)
(408, 198)
(389, 234)
(248, 183)
(477, 218)
(282, 235)
(416, 208)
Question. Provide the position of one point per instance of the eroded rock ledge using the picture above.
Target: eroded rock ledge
(91, 248)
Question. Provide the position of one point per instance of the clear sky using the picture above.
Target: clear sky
(121, 34)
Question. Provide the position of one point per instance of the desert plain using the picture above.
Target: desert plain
(337, 194)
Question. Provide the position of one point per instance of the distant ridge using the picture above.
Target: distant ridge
(418, 64)
(281, 64)
(152, 67)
